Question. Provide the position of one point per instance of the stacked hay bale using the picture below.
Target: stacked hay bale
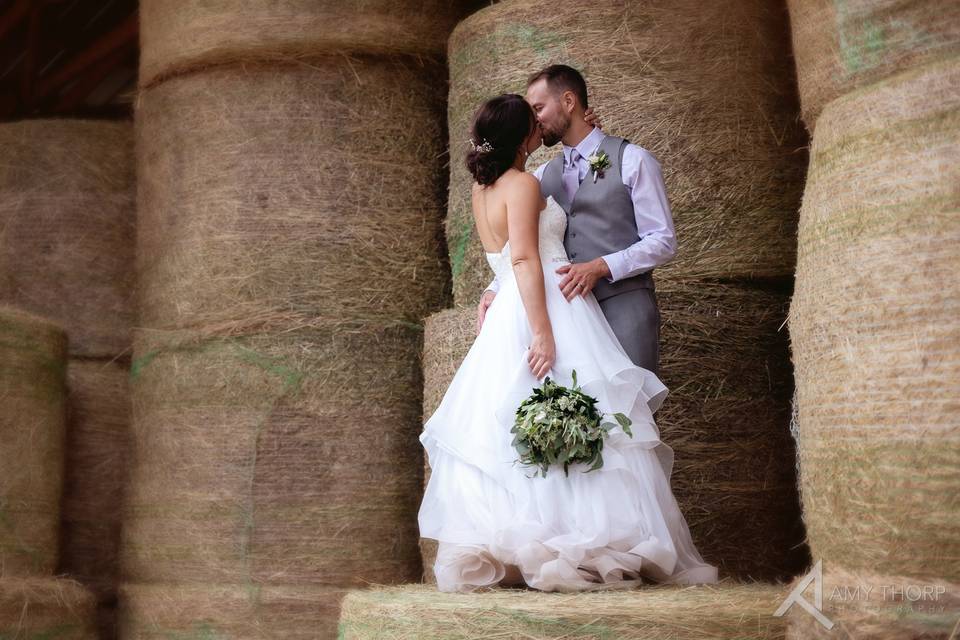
(47, 608)
(33, 353)
(841, 45)
(418, 612)
(66, 252)
(289, 243)
(873, 320)
(717, 107)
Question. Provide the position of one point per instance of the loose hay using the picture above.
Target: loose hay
(97, 459)
(725, 360)
(284, 197)
(182, 36)
(841, 45)
(419, 612)
(878, 607)
(33, 353)
(39, 608)
(275, 459)
(707, 88)
(874, 328)
(67, 220)
(213, 611)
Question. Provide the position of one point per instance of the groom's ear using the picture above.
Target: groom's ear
(569, 101)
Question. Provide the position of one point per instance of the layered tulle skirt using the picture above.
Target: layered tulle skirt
(494, 517)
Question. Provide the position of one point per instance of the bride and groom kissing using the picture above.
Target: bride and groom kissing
(572, 247)
(619, 227)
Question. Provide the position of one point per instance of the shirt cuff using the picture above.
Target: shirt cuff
(616, 269)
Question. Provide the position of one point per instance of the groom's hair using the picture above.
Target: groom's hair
(562, 78)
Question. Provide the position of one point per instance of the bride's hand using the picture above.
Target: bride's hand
(542, 354)
(591, 118)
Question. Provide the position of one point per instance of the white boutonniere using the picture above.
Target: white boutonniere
(598, 162)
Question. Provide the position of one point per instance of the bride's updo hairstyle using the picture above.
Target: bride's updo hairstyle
(504, 122)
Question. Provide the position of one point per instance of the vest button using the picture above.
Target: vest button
(573, 235)
(573, 255)
(573, 215)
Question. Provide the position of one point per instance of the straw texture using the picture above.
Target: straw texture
(214, 611)
(67, 227)
(707, 88)
(865, 605)
(874, 329)
(295, 459)
(725, 359)
(177, 36)
(39, 608)
(418, 612)
(33, 354)
(287, 197)
(841, 45)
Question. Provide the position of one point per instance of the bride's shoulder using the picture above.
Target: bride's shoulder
(520, 184)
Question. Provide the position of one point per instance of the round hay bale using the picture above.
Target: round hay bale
(275, 459)
(36, 608)
(726, 362)
(284, 197)
(840, 45)
(97, 455)
(419, 612)
(447, 336)
(874, 331)
(181, 36)
(881, 607)
(33, 354)
(160, 612)
(67, 218)
(706, 87)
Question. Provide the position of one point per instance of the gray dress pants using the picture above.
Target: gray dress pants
(635, 319)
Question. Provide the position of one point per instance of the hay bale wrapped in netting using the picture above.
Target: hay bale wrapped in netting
(874, 330)
(419, 612)
(39, 607)
(162, 611)
(67, 217)
(33, 352)
(726, 362)
(97, 455)
(706, 87)
(181, 36)
(282, 197)
(286, 458)
(447, 336)
(840, 45)
(881, 607)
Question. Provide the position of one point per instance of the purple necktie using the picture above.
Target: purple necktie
(571, 175)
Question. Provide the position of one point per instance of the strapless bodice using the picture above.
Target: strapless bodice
(553, 224)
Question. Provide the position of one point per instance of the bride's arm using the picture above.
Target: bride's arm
(523, 225)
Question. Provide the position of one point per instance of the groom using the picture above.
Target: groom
(619, 226)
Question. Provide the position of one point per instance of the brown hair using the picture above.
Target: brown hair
(562, 78)
(504, 122)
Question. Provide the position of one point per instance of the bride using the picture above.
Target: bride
(496, 522)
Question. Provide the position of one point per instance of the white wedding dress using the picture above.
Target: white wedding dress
(608, 528)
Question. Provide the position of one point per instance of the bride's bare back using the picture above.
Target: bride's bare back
(490, 210)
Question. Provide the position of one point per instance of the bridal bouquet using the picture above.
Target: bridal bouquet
(561, 425)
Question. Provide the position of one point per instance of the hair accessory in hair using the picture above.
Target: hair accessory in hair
(483, 148)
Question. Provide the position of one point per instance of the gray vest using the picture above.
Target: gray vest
(600, 220)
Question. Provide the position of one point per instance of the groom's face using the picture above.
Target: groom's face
(554, 119)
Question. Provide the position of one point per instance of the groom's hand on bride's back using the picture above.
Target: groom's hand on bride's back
(485, 301)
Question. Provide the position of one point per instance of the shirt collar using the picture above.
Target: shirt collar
(586, 146)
